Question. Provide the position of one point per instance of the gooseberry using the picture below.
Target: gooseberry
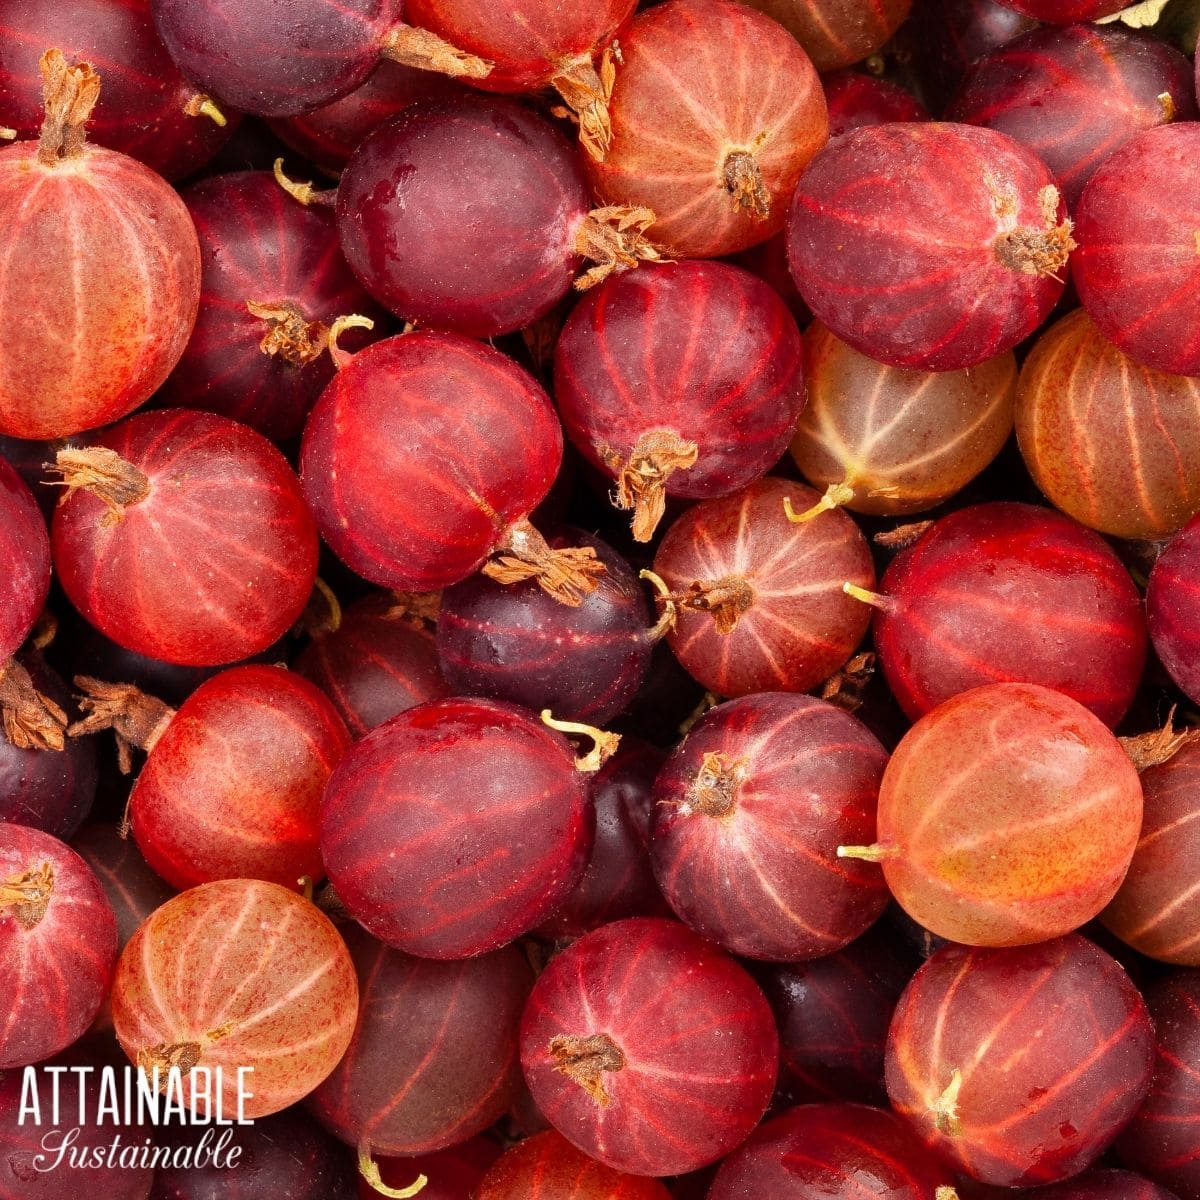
(856, 99)
(1172, 606)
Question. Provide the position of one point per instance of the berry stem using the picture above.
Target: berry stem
(836, 494)
(322, 614)
(604, 744)
(7, 135)
(874, 599)
(31, 721)
(667, 618)
(201, 105)
(69, 93)
(642, 478)
(369, 1170)
(426, 51)
(351, 321)
(876, 853)
(567, 574)
(303, 193)
(945, 1107)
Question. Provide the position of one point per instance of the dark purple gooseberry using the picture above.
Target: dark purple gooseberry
(951, 36)
(833, 1015)
(147, 109)
(1008, 592)
(618, 882)
(272, 283)
(29, 458)
(287, 1156)
(683, 380)
(474, 215)
(514, 642)
(1173, 608)
(856, 99)
(380, 660)
(434, 1058)
(748, 814)
(48, 789)
(25, 552)
(1099, 1184)
(1074, 93)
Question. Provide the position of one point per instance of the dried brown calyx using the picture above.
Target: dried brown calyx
(1152, 749)
(1038, 251)
(69, 93)
(27, 896)
(902, 536)
(725, 600)
(165, 1056)
(30, 720)
(586, 91)
(944, 1109)
(714, 791)
(289, 335)
(742, 178)
(604, 744)
(369, 1170)
(200, 105)
(136, 718)
(845, 688)
(419, 609)
(614, 238)
(567, 574)
(105, 474)
(427, 52)
(587, 1060)
(642, 477)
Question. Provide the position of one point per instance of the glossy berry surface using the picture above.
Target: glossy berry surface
(268, 983)
(272, 282)
(433, 1060)
(856, 99)
(378, 662)
(1075, 94)
(649, 1049)
(1110, 441)
(1173, 605)
(836, 33)
(748, 814)
(193, 546)
(715, 112)
(839, 1151)
(404, 496)
(684, 379)
(455, 827)
(896, 440)
(762, 605)
(1065, 12)
(1020, 1066)
(1007, 815)
(982, 228)
(1010, 593)
(25, 551)
(1137, 267)
(58, 945)
(1099, 1184)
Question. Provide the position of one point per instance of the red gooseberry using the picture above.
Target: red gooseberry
(760, 599)
(1066, 12)
(1172, 608)
(1019, 1066)
(929, 245)
(856, 99)
(456, 826)
(1007, 592)
(1099, 1184)
(147, 110)
(1007, 815)
(184, 536)
(1138, 270)
(748, 814)
(681, 380)
(236, 974)
(715, 112)
(649, 1049)
(836, 33)
(1110, 441)
(58, 944)
(425, 456)
(102, 275)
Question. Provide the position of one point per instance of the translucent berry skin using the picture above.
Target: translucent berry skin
(547, 1167)
(1012, 814)
(463, 214)
(1101, 1184)
(1161, 1141)
(1137, 269)
(58, 945)
(800, 626)
(528, 42)
(903, 440)
(377, 663)
(100, 316)
(704, 350)
(744, 846)
(514, 642)
(232, 788)
(25, 552)
(1066, 12)
(839, 1151)
(403, 495)
(143, 106)
(894, 238)
(455, 827)
(275, 60)
(267, 983)
(1172, 605)
(257, 244)
(1110, 441)
(1011, 593)
(684, 101)
(1074, 94)
(214, 565)
(1050, 1048)
(855, 99)
(693, 1033)
(836, 33)
(433, 1060)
